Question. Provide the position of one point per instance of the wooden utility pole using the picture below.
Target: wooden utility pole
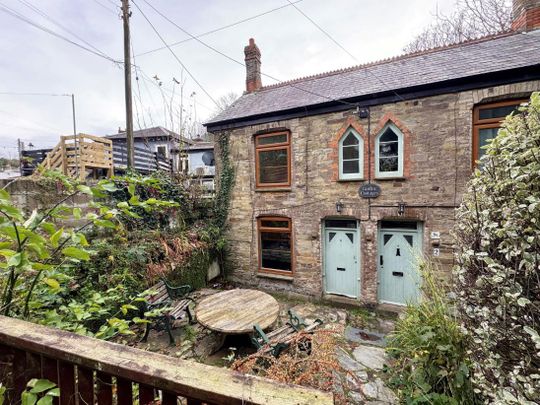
(20, 147)
(127, 79)
(76, 140)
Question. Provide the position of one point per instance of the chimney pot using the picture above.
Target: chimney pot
(253, 66)
(526, 15)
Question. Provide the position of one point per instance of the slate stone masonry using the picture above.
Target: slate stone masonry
(438, 148)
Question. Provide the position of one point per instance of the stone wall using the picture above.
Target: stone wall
(28, 194)
(438, 139)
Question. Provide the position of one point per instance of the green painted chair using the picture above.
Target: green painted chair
(173, 303)
(279, 339)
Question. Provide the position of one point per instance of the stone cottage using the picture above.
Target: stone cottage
(344, 178)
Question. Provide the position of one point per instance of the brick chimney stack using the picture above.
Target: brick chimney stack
(526, 15)
(253, 67)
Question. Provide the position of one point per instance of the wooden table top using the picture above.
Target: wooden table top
(236, 311)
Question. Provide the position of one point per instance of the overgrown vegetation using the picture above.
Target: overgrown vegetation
(82, 268)
(226, 183)
(222, 200)
(310, 361)
(42, 256)
(429, 351)
(497, 278)
(185, 260)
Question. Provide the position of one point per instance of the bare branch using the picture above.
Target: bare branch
(472, 19)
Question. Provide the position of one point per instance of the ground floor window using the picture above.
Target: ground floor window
(275, 244)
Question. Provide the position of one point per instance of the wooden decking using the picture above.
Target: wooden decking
(81, 155)
(89, 371)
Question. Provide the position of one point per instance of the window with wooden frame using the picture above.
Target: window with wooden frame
(487, 120)
(273, 159)
(275, 245)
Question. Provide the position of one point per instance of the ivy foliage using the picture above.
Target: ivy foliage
(497, 278)
(155, 187)
(215, 232)
(226, 183)
(429, 350)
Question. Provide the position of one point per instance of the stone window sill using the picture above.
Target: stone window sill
(275, 276)
(399, 178)
(350, 180)
(273, 189)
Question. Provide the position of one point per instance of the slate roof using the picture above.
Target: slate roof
(153, 132)
(487, 55)
(200, 145)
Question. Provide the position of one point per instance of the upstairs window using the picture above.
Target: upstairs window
(273, 160)
(351, 156)
(487, 119)
(275, 245)
(389, 152)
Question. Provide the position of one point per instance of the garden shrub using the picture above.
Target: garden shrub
(40, 255)
(121, 260)
(430, 365)
(185, 260)
(194, 271)
(497, 278)
(155, 186)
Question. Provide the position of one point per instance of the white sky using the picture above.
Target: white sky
(36, 62)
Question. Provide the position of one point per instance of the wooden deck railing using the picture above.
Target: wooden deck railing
(77, 155)
(146, 161)
(92, 371)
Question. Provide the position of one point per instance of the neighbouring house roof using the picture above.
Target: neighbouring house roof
(199, 146)
(496, 56)
(150, 133)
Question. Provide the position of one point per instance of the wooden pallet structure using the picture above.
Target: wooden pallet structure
(80, 156)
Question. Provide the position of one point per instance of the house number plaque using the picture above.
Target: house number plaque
(369, 190)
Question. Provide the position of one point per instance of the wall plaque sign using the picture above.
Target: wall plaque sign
(369, 190)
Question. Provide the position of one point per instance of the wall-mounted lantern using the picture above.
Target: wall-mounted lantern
(401, 208)
(339, 207)
(363, 112)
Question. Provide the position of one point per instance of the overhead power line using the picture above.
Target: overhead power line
(25, 19)
(58, 24)
(12, 93)
(113, 3)
(175, 56)
(106, 7)
(323, 31)
(220, 28)
(242, 63)
(342, 47)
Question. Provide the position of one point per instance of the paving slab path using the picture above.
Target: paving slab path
(362, 356)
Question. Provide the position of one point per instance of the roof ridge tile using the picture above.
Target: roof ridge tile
(388, 60)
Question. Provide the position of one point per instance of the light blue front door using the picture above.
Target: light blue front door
(341, 260)
(399, 281)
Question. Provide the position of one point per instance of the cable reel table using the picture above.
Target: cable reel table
(234, 312)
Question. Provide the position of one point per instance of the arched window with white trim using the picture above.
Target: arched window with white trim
(351, 156)
(389, 152)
